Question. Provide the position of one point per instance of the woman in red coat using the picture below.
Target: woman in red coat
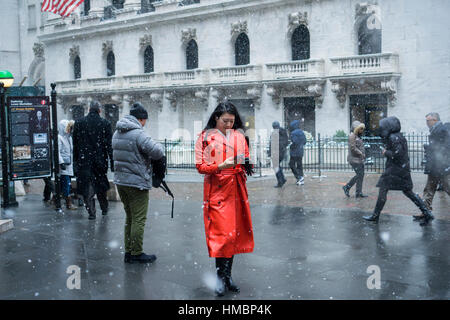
(221, 154)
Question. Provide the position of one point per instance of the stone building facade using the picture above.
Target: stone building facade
(324, 62)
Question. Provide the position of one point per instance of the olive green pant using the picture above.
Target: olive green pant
(135, 203)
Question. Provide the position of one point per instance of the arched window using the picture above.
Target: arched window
(192, 55)
(148, 60)
(242, 50)
(110, 64)
(300, 43)
(369, 35)
(77, 67)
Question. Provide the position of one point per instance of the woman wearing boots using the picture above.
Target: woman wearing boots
(221, 154)
(397, 175)
(65, 147)
(356, 157)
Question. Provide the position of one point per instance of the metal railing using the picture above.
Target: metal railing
(324, 153)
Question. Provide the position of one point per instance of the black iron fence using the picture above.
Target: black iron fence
(323, 153)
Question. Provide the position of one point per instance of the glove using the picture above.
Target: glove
(248, 167)
(63, 166)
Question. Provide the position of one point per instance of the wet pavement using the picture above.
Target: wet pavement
(310, 243)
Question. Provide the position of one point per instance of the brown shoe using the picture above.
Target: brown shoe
(69, 204)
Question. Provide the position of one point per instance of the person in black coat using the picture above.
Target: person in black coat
(437, 155)
(92, 136)
(279, 140)
(397, 175)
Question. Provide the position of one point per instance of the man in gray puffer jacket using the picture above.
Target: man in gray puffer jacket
(133, 151)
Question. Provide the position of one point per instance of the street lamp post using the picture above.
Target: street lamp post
(6, 81)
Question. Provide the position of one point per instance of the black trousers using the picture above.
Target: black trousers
(89, 200)
(382, 197)
(358, 178)
(48, 189)
(296, 165)
(279, 170)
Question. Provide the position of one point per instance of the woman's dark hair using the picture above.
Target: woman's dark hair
(225, 107)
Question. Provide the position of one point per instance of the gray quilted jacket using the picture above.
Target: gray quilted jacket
(133, 150)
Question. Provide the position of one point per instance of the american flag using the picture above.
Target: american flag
(62, 7)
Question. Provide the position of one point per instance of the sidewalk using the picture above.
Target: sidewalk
(325, 192)
(303, 250)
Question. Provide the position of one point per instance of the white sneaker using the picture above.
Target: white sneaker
(301, 181)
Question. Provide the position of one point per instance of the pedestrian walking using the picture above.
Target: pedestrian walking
(65, 147)
(279, 141)
(397, 174)
(222, 155)
(356, 157)
(437, 155)
(91, 151)
(133, 151)
(298, 140)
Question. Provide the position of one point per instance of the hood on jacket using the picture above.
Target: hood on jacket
(358, 127)
(389, 125)
(294, 125)
(128, 123)
(62, 125)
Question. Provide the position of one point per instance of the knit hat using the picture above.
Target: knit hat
(138, 111)
(276, 125)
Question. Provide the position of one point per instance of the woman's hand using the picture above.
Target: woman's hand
(228, 163)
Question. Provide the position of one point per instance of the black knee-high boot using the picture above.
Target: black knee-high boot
(221, 275)
(230, 285)
(427, 215)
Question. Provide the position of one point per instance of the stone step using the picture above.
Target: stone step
(5, 225)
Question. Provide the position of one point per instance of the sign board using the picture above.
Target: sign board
(29, 131)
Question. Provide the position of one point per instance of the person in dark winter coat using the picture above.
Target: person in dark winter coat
(298, 140)
(438, 159)
(133, 151)
(356, 157)
(279, 140)
(92, 149)
(397, 174)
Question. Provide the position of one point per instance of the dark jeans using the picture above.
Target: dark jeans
(382, 197)
(90, 201)
(65, 185)
(296, 165)
(48, 189)
(358, 178)
(279, 171)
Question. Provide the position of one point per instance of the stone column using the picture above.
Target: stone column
(132, 4)
(97, 7)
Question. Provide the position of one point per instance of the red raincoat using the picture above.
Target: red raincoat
(226, 210)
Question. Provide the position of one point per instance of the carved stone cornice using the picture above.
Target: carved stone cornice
(172, 97)
(188, 35)
(38, 49)
(295, 20)
(275, 93)
(255, 94)
(157, 99)
(74, 52)
(145, 41)
(107, 46)
(340, 90)
(237, 28)
(218, 94)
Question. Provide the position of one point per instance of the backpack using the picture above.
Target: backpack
(158, 174)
